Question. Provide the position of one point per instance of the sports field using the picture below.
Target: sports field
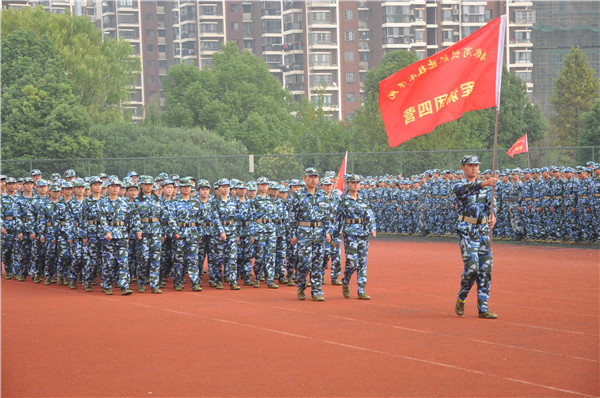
(406, 341)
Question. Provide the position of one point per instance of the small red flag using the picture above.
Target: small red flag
(519, 147)
(339, 184)
(464, 77)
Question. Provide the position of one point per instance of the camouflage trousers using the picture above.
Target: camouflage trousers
(292, 259)
(132, 257)
(38, 256)
(356, 249)
(225, 260)
(245, 252)
(22, 261)
(8, 252)
(149, 260)
(206, 251)
(265, 252)
(185, 257)
(79, 257)
(94, 257)
(166, 258)
(335, 254)
(114, 262)
(58, 257)
(517, 227)
(280, 249)
(586, 223)
(310, 259)
(571, 224)
(475, 249)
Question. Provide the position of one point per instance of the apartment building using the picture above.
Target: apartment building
(319, 49)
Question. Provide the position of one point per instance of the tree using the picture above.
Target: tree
(575, 90)
(41, 117)
(102, 72)
(237, 98)
(590, 133)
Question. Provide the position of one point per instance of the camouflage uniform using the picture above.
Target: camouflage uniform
(38, 254)
(309, 213)
(11, 222)
(93, 233)
(331, 251)
(356, 221)
(245, 249)
(514, 197)
(474, 201)
(25, 246)
(79, 255)
(570, 197)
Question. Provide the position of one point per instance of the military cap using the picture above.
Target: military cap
(155, 186)
(129, 183)
(544, 169)
(469, 159)
(527, 171)
(35, 172)
(240, 185)
(569, 170)
(436, 171)
(2, 177)
(353, 178)
(284, 189)
(166, 182)
(114, 181)
(252, 186)
(223, 181)
(185, 182)
(132, 174)
(95, 179)
(311, 171)
(70, 173)
(175, 177)
(11, 180)
(103, 175)
(146, 179)
(326, 181)
(460, 172)
(78, 182)
(67, 184)
(55, 187)
(535, 171)
(161, 176)
(295, 182)
(262, 180)
(516, 171)
(42, 183)
(502, 173)
(55, 176)
(330, 174)
(27, 180)
(488, 171)
(20, 179)
(202, 183)
(274, 185)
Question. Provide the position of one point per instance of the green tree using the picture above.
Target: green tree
(575, 90)
(237, 98)
(102, 72)
(590, 133)
(41, 117)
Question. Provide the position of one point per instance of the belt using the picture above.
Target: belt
(93, 222)
(354, 220)
(186, 224)
(244, 223)
(48, 224)
(583, 197)
(536, 200)
(116, 223)
(428, 195)
(569, 196)
(76, 223)
(63, 223)
(227, 222)
(526, 198)
(547, 197)
(310, 223)
(207, 224)
(597, 195)
(558, 197)
(443, 197)
(152, 219)
(9, 218)
(264, 220)
(394, 201)
(24, 219)
(415, 201)
(473, 220)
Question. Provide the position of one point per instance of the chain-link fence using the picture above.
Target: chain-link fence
(281, 167)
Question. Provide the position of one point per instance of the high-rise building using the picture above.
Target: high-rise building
(322, 49)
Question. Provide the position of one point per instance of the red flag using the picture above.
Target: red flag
(463, 77)
(519, 147)
(339, 184)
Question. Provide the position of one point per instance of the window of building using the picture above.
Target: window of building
(150, 63)
(350, 97)
(320, 16)
(151, 79)
(348, 15)
(488, 14)
(349, 56)
(321, 59)
(420, 35)
(320, 79)
(162, 33)
(235, 26)
(149, 17)
(350, 77)
(160, 17)
(349, 35)
(522, 57)
(233, 8)
(321, 38)
(447, 34)
(150, 48)
(149, 32)
(246, 8)
(162, 48)
(127, 34)
(522, 36)
(524, 75)
(162, 63)
(248, 44)
(271, 26)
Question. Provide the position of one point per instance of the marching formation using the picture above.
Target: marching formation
(145, 230)
(552, 204)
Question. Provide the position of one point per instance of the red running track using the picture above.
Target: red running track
(406, 341)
